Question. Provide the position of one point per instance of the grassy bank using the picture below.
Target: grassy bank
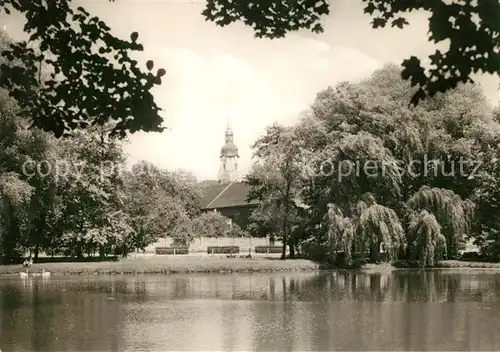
(445, 264)
(467, 264)
(169, 265)
(208, 264)
(403, 265)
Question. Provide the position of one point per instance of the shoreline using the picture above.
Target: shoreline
(169, 265)
(210, 265)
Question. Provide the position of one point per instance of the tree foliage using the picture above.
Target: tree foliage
(74, 196)
(372, 174)
(427, 244)
(378, 226)
(213, 224)
(340, 234)
(92, 78)
(471, 29)
(275, 181)
(160, 204)
(455, 215)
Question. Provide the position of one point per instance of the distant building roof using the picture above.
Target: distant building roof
(226, 195)
(206, 183)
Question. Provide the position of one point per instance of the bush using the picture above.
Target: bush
(471, 257)
(314, 250)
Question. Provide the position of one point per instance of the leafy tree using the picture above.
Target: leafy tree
(340, 234)
(90, 191)
(182, 232)
(379, 225)
(184, 188)
(454, 214)
(15, 197)
(46, 205)
(93, 80)
(472, 30)
(360, 139)
(158, 205)
(20, 195)
(277, 179)
(214, 224)
(426, 243)
(263, 220)
(487, 199)
(368, 124)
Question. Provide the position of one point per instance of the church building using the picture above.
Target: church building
(228, 195)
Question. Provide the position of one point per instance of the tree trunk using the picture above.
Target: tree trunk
(102, 252)
(375, 252)
(271, 240)
(78, 250)
(285, 229)
(292, 243)
(37, 251)
(285, 240)
(292, 249)
(9, 241)
(452, 248)
(8, 250)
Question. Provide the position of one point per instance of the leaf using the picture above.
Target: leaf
(399, 22)
(370, 8)
(378, 22)
(414, 71)
(134, 36)
(161, 72)
(455, 21)
(89, 83)
(150, 65)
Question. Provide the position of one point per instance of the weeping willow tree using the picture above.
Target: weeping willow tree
(340, 234)
(379, 226)
(453, 214)
(426, 243)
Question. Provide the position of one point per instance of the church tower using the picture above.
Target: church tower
(228, 171)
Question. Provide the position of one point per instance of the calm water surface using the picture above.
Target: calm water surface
(420, 310)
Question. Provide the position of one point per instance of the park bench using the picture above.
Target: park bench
(171, 250)
(223, 250)
(268, 249)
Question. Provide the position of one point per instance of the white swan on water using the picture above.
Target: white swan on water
(23, 275)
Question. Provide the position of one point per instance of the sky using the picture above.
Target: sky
(215, 75)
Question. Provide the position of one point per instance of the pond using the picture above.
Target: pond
(402, 310)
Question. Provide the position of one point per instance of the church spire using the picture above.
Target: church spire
(229, 130)
(229, 157)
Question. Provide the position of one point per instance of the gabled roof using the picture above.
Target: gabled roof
(210, 192)
(208, 183)
(226, 195)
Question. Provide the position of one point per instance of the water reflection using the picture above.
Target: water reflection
(416, 310)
